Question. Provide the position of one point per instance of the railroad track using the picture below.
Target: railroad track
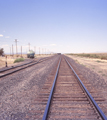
(14, 69)
(69, 99)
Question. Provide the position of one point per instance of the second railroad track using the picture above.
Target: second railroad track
(14, 69)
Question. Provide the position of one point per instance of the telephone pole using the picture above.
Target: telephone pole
(16, 46)
(29, 45)
(21, 51)
(42, 51)
(35, 49)
(12, 50)
(39, 50)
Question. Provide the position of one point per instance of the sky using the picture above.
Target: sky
(66, 26)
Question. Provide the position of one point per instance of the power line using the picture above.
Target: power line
(21, 51)
(42, 51)
(12, 50)
(39, 50)
(29, 45)
(35, 50)
(16, 46)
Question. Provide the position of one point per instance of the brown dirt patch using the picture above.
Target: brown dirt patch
(10, 59)
(97, 65)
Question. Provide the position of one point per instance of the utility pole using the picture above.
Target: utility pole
(16, 46)
(35, 49)
(21, 51)
(12, 50)
(39, 50)
(29, 45)
(42, 51)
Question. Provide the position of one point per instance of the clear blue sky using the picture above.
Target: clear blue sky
(67, 26)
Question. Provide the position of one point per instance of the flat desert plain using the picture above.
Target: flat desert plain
(10, 60)
(96, 65)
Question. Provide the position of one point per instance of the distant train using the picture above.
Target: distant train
(30, 54)
(58, 53)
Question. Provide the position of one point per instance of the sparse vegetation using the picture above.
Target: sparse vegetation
(92, 55)
(103, 74)
(19, 60)
(98, 61)
(100, 71)
(77, 61)
(1, 51)
(83, 65)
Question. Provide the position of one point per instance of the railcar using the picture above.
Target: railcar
(58, 53)
(30, 54)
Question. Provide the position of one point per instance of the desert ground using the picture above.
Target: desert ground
(96, 65)
(11, 59)
(20, 91)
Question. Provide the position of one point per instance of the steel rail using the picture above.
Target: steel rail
(89, 95)
(51, 94)
(15, 66)
(22, 68)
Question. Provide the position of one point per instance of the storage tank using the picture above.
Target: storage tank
(30, 54)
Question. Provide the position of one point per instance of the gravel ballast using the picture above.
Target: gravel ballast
(17, 91)
(95, 80)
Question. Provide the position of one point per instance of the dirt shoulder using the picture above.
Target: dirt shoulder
(93, 72)
(97, 65)
(10, 60)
